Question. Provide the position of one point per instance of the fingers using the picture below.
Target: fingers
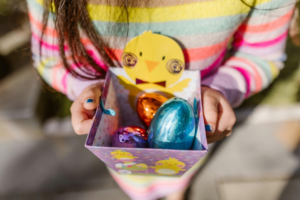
(226, 120)
(81, 118)
(218, 114)
(91, 97)
(217, 137)
(83, 109)
(210, 112)
(226, 117)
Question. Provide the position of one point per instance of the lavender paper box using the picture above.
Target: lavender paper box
(142, 161)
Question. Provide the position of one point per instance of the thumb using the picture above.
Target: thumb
(210, 112)
(91, 97)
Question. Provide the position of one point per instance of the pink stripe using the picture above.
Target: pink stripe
(247, 78)
(46, 45)
(269, 26)
(46, 52)
(64, 82)
(56, 48)
(74, 66)
(212, 66)
(257, 77)
(143, 192)
(48, 31)
(64, 79)
(242, 42)
(98, 61)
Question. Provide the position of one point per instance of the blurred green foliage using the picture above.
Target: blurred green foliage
(7, 5)
(53, 104)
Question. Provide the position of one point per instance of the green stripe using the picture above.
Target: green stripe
(274, 5)
(264, 65)
(172, 29)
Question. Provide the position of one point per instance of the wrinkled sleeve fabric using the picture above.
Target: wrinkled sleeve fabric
(48, 62)
(258, 53)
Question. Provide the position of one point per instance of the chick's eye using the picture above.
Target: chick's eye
(129, 59)
(174, 66)
(163, 58)
(141, 53)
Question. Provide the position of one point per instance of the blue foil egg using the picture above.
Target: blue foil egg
(173, 126)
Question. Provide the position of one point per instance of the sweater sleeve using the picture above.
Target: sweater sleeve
(48, 62)
(258, 54)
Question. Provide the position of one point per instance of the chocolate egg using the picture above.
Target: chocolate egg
(147, 105)
(130, 136)
(173, 126)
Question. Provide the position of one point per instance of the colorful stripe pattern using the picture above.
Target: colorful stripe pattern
(205, 28)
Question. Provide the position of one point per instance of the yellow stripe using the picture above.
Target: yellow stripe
(42, 65)
(274, 70)
(41, 2)
(206, 9)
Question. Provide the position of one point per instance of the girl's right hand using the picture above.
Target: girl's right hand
(83, 108)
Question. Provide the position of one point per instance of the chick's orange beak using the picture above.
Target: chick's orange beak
(151, 65)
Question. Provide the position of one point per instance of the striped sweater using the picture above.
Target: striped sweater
(204, 28)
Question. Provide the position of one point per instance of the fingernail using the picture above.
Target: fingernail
(209, 128)
(90, 101)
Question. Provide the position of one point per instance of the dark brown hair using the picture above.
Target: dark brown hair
(69, 14)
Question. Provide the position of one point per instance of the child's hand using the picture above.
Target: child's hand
(83, 108)
(218, 114)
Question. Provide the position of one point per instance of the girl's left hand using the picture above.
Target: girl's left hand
(218, 114)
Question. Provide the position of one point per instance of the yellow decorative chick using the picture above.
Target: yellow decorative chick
(169, 167)
(155, 62)
(122, 155)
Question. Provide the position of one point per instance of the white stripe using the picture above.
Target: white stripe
(265, 52)
(260, 37)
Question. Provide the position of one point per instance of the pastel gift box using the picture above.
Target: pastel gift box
(142, 161)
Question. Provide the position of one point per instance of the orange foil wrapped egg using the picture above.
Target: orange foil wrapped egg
(147, 105)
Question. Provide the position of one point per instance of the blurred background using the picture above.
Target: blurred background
(42, 158)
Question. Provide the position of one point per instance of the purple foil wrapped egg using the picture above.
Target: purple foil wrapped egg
(131, 137)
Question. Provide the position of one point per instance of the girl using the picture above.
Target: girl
(75, 41)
